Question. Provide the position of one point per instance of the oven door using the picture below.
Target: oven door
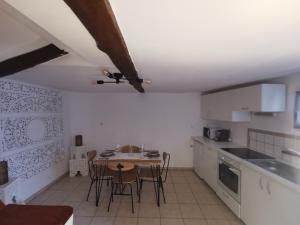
(229, 179)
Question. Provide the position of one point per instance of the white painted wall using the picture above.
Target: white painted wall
(158, 121)
(283, 122)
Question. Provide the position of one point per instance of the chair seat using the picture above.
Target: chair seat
(148, 173)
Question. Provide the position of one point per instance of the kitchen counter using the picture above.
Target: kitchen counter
(219, 145)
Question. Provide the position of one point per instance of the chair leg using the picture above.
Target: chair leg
(88, 195)
(137, 188)
(131, 198)
(140, 189)
(141, 184)
(111, 196)
(97, 197)
(162, 190)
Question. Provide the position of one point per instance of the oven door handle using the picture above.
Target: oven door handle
(235, 171)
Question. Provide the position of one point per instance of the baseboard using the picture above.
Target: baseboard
(46, 187)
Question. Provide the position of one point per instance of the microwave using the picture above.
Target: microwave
(217, 134)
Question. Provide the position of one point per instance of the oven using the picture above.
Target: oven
(229, 177)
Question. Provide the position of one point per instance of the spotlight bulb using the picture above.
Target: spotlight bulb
(147, 81)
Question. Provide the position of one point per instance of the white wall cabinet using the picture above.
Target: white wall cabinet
(264, 201)
(236, 105)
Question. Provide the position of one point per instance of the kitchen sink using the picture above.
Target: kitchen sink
(281, 169)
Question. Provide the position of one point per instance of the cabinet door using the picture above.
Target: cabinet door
(253, 198)
(210, 164)
(267, 202)
(198, 158)
(285, 204)
(196, 153)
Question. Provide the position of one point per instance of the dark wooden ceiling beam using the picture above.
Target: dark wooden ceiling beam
(30, 59)
(98, 18)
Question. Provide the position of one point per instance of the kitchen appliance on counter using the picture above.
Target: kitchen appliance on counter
(217, 134)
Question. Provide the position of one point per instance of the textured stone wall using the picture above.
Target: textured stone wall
(31, 128)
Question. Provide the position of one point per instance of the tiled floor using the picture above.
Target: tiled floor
(189, 202)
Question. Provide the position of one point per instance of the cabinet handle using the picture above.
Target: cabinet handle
(269, 188)
(261, 183)
(244, 108)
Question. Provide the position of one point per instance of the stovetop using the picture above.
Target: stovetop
(246, 153)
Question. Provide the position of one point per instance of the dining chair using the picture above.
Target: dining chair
(98, 174)
(158, 177)
(130, 149)
(125, 149)
(135, 149)
(124, 174)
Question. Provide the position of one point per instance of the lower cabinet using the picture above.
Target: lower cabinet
(210, 160)
(266, 202)
(198, 158)
(205, 161)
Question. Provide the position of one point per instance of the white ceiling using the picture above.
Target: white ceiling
(183, 46)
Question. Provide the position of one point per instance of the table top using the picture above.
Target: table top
(136, 158)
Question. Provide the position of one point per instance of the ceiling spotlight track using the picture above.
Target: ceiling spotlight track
(120, 78)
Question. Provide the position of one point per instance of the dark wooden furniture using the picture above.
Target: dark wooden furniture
(35, 215)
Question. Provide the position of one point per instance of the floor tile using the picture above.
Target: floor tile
(213, 212)
(191, 211)
(86, 209)
(218, 222)
(148, 221)
(81, 220)
(170, 211)
(125, 221)
(149, 210)
(179, 188)
(102, 210)
(171, 197)
(194, 222)
(103, 221)
(168, 221)
(186, 197)
(125, 209)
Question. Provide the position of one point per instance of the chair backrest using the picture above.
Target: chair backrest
(165, 166)
(125, 149)
(120, 169)
(90, 156)
(135, 149)
(129, 149)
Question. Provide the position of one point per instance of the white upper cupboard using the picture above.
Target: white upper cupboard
(264, 201)
(236, 105)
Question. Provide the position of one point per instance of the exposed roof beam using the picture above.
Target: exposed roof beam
(99, 20)
(30, 59)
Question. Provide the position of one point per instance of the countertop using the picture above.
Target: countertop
(219, 145)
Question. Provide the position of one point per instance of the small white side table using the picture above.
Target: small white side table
(9, 191)
(80, 165)
(78, 151)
